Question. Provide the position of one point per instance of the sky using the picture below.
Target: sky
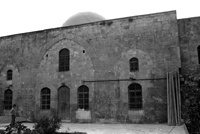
(20, 16)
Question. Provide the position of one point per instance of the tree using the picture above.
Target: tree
(190, 94)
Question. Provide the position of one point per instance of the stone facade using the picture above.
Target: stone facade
(99, 58)
(189, 33)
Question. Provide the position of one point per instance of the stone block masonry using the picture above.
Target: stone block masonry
(98, 51)
(189, 41)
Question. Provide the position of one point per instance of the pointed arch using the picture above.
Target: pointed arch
(45, 99)
(134, 64)
(64, 60)
(8, 97)
(83, 97)
(135, 96)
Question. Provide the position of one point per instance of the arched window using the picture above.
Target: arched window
(45, 98)
(83, 97)
(198, 51)
(135, 96)
(134, 65)
(9, 75)
(64, 60)
(8, 95)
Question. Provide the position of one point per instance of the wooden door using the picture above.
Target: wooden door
(64, 102)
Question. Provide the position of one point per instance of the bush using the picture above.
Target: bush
(18, 128)
(190, 94)
(47, 125)
(2, 132)
(71, 133)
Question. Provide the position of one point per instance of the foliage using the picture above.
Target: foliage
(17, 128)
(47, 125)
(2, 132)
(70, 133)
(25, 130)
(190, 86)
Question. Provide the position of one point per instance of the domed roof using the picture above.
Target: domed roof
(83, 17)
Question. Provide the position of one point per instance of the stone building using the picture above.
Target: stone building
(105, 70)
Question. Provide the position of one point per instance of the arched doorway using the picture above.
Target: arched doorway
(64, 102)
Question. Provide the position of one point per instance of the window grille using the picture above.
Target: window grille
(83, 97)
(8, 96)
(45, 98)
(9, 75)
(135, 96)
(64, 60)
(134, 65)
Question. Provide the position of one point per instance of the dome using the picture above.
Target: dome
(83, 17)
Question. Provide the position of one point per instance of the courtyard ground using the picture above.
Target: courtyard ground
(115, 128)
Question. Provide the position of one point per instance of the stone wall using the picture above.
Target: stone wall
(98, 51)
(189, 40)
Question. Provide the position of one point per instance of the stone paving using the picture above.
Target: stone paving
(117, 128)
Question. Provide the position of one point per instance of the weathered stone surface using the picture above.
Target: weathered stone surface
(98, 51)
(189, 40)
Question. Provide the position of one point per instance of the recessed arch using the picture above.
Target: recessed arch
(71, 37)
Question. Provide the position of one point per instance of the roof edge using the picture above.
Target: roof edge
(196, 17)
(57, 28)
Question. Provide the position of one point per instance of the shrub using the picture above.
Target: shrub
(18, 128)
(190, 95)
(71, 133)
(2, 132)
(47, 125)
